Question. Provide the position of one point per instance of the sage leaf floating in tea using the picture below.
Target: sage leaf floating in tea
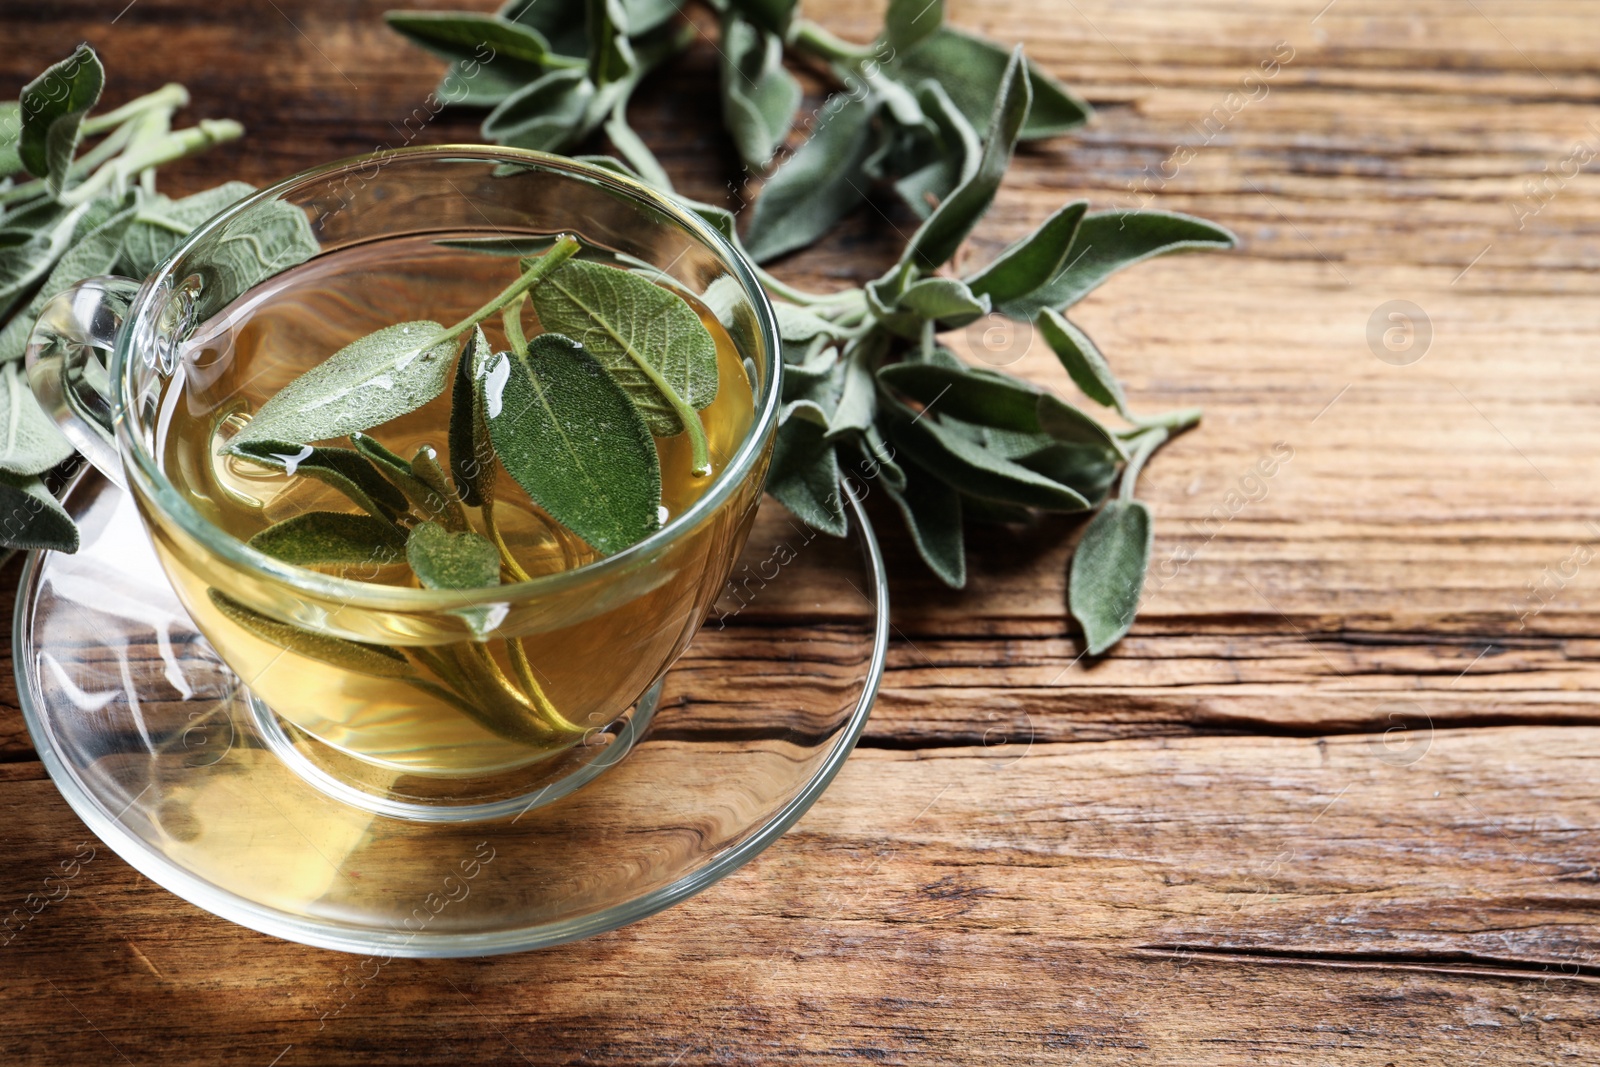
(344, 469)
(442, 559)
(573, 438)
(471, 451)
(318, 538)
(370, 381)
(356, 656)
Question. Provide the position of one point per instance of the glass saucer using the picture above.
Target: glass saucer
(155, 744)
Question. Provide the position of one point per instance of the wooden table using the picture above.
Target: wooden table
(1334, 800)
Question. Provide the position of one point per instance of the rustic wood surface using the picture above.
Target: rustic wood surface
(1205, 849)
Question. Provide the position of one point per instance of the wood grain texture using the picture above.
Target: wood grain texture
(1332, 801)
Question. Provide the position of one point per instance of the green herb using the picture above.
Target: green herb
(933, 114)
(574, 439)
(651, 341)
(445, 560)
(78, 199)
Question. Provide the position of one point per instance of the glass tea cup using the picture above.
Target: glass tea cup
(423, 703)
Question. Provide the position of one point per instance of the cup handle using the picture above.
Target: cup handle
(68, 361)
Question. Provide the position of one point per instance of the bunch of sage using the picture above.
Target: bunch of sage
(66, 216)
(932, 115)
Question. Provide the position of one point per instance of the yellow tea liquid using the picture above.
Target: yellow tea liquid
(434, 692)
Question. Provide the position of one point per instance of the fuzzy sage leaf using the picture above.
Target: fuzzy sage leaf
(1108, 241)
(1082, 360)
(379, 377)
(819, 185)
(445, 560)
(1108, 570)
(53, 109)
(572, 437)
(316, 538)
(324, 648)
(29, 442)
(346, 470)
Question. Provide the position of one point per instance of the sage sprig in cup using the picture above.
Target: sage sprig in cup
(452, 476)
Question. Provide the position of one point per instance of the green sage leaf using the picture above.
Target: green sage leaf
(463, 35)
(1065, 422)
(1108, 241)
(630, 144)
(570, 435)
(812, 390)
(161, 225)
(816, 187)
(328, 537)
(1034, 261)
(29, 442)
(472, 462)
(647, 337)
(858, 397)
(932, 510)
(30, 517)
(611, 56)
(426, 469)
(1083, 361)
(93, 251)
(971, 70)
(945, 301)
(804, 477)
(949, 158)
(759, 96)
(977, 509)
(1108, 570)
(53, 109)
(379, 377)
(356, 656)
(796, 324)
(427, 500)
(999, 401)
(969, 466)
(546, 114)
(346, 470)
(645, 16)
(445, 560)
(26, 261)
(940, 236)
(472, 83)
(263, 241)
(908, 23)
(10, 134)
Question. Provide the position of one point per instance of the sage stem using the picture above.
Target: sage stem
(565, 247)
